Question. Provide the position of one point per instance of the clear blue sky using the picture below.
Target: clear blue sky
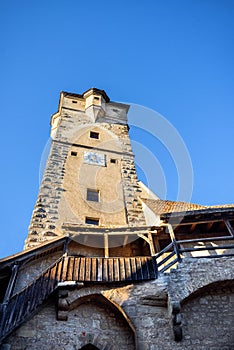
(175, 57)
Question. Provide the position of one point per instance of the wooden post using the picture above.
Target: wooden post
(125, 240)
(229, 227)
(11, 284)
(106, 246)
(151, 243)
(65, 247)
(192, 228)
(173, 239)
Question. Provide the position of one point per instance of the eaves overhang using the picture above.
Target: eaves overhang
(209, 214)
(34, 253)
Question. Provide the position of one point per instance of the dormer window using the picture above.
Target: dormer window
(94, 135)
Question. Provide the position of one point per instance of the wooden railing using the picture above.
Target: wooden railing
(83, 269)
(70, 268)
(174, 252)
(23, 303)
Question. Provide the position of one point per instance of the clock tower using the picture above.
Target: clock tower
(90, 181)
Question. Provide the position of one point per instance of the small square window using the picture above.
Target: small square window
(96, 98)
(94, 135)
(73, 101)
(91, 221)
(92, 195)
(73, 153)
(114, 161)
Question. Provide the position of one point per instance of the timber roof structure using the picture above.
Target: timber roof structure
(159, 206)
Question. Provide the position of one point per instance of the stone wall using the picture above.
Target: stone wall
(54, 206)
(45, 214)
(130, 183)
(208, 318)
(203, 290)
(29, 272)
(90, 322)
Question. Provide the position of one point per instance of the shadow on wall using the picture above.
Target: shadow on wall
(208, 315)
(109, 327)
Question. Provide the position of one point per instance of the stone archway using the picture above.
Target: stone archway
(207, 315)
(99, 324)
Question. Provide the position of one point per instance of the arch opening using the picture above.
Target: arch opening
(208, 312)
(89, 347)
(103, 322)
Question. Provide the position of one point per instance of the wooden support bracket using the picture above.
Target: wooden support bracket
(229, 227)
(11, 283)
(106, 245)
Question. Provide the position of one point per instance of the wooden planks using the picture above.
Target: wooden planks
(85, 269)
(23, 303)
(80, 269)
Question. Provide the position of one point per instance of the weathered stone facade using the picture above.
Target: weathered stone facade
(109, 329)
(113, 282)
(140, 315)
(62, 196)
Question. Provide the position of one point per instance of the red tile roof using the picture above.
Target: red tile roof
(159, 206)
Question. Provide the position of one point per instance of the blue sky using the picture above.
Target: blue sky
(175, 57)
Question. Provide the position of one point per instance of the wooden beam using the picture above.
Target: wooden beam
(125, 240)
(65, 247)
(186, 235)
(143, 237)
(110, 233)
(173, 239)
(209, 225)
(157, 245)
(229, 227)
(194, 221)
(11, 284)
(149, 241)
(151, 244)
(210, 239)
(228, 246)
(106, 245)
(192, 228)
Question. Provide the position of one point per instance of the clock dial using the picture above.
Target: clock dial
(94, 158)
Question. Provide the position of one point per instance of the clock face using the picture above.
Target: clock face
(94, 158)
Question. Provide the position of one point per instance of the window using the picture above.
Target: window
(114, 161)
(73, 154)
(94, 135)
(73, 101)
(93, 195)
(96, 98)
(91, 221)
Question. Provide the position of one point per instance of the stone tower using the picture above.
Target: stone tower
(107, 265)
(90, 177)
